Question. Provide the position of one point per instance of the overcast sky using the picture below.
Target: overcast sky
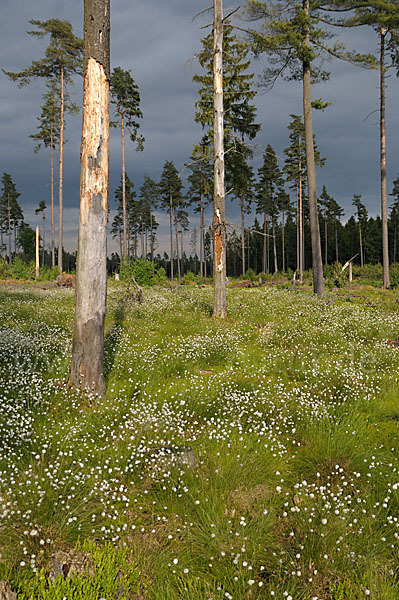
(156, 39)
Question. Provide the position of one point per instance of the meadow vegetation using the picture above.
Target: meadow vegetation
(290, 407)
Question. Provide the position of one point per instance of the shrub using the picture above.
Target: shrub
(5, 270)
(23, 270)
(48, 273)
(141, 269)
(190, 278)
(159, 276)
(335, 276)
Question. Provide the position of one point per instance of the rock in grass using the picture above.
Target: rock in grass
(183, 455)
(68, 563)
(6, 592)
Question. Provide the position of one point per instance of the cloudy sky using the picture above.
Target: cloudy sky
(156, 40)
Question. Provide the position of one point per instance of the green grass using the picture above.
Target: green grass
(290, 406)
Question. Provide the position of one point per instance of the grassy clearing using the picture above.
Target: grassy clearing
(291, 408)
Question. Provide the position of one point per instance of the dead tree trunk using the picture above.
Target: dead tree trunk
(87, 367)
(383, 166)
(318, 281)
(60, 187)
(219, 218)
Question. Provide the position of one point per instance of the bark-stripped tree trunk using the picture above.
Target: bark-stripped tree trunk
(171, 232)
(124, 210)
(52, 197)
(219, 218)
(318, 281)
(297, 229)
(151, 237)
(37, 269)
(87, 367)
(9, 231)
(383, 165)
(61, 169)
(44, 237)
(202, 236)
(242, 235)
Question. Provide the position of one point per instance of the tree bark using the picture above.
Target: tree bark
(44, 237)
(202, 235)
(177, 246)
(242, 236)
(87, 367)
(282, 239)
(124, 211)
(361, 245)
(301, 244)
(318, 281)
(52, 198)
(37, 269)
(219, 218)
(171, 233)
(274, 244)
(383, 166)
(61, 169)
(264, 240)
(9, 231)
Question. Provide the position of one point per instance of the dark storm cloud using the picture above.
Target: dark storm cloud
(157, 39)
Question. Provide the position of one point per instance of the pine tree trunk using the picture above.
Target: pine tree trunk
(202, 236)
(282, 239)
(1, 240)
(181, 252)
(242, 236)
(298, 246)
(177, 245)
(52, 197)
(318, 282)
(361, 245)
(9, 230)
(61, 173)
(219, 219)
(274, 244)
(336, 242)
(87, 367)
(124, 211)
(301, 240)
(151, 237)
(325, 238)
(264, 241)
(44, 237)
(171, 233)
(383, 165)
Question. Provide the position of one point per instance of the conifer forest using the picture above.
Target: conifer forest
(199, 300)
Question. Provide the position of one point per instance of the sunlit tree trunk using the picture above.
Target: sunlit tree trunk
(383, 165)
(124, 210)
(9, 230)
(219, 219)
(202, 235)
(264, 240)
(61, 173)
(318, 281)
(52, 197)
(87, 367)
(171, 233)
(242, 236)
(177, 245)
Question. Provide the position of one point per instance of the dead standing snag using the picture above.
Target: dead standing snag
(91, 276)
